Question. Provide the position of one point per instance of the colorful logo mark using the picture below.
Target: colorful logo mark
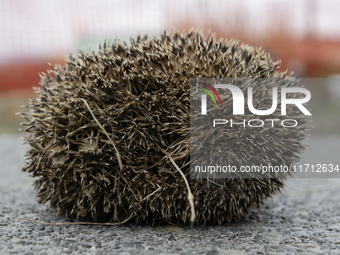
(209, 93)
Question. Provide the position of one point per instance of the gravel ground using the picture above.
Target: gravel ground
(304, 219)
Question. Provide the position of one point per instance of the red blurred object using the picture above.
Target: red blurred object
(320, 58)
(23, 76)
(307, 57)
(316, 58)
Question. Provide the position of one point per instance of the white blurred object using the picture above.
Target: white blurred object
(46, 29)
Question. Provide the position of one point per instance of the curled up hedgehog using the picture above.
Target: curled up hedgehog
(109, 133)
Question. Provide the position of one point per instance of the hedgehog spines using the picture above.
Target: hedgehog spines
(103, 159)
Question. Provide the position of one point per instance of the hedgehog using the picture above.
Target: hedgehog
(109, 131)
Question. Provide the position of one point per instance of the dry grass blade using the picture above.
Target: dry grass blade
(190, 196)
(103, 129)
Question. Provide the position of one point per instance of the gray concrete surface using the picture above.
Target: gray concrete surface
(304, 219)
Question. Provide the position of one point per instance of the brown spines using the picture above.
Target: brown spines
(139, 94)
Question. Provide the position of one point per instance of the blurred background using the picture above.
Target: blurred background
(304, 34)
